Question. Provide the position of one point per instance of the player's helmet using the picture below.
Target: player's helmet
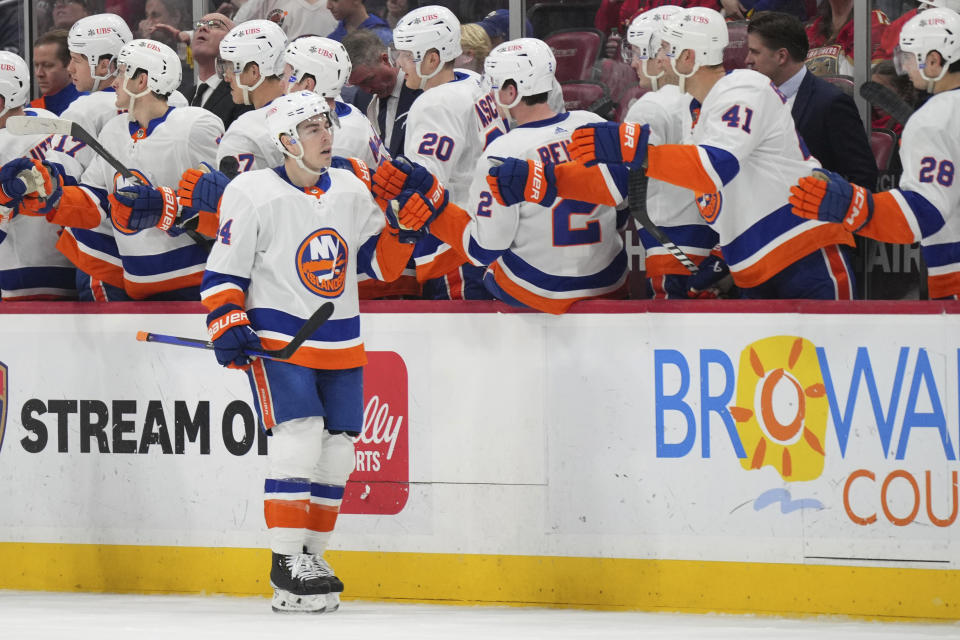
(14, 81)
(286, 112)
(700, 29)
(932, 30)
(943, 4)
(158, 60)
(527, 61)
(644, 37)
(425, 29)
(97, 36)
(260, 41)
(324, 59)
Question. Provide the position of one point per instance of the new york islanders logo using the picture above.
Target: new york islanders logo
(3, 400)
(321, 262)
(710, 205)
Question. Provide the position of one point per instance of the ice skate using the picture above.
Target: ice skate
(336, 585)
(298, 585)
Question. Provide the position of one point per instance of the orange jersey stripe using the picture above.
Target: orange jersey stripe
(783, 255)
(287, 514)
(112, 274)
(264, 397)
(679, 164)
(142, 290)
(943, 286)
(403, 286)
(889, 223)
(322, 517)
(392, 255)
(587, 184)
(227, 296)
(76, 209)
(548, 305)
(321, 358)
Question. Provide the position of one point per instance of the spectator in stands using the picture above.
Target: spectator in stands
(891, 35)
(826, 118)
(50, 60)
(11, 34)
(395, 10)
(296, 17)
(66, 12)
(497, 26)
(885, 73)
(831, 38)
(476, 45)
(213, 94)
(352, 15)
(163, 12)
(373, 73)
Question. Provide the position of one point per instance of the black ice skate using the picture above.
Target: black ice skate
(298, 585)
(336, 585)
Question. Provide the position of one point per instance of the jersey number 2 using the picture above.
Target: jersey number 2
(564, 234)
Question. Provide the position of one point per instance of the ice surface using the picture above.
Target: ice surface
(78, 616)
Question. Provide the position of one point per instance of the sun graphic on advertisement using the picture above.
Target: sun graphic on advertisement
(781, 410)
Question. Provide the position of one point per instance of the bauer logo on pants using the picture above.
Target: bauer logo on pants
(380, 480)
(3, 401)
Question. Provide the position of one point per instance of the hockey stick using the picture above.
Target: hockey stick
(25, 125)
(637, 199)
(887, 99)
(321, 315)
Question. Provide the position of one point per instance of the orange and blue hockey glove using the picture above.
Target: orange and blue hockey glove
(202, 188)
(513, 181)
(232, 336)
(22, 178)
(400, 174)
(134, 207)
(411, 217)
(829, 197)
(610, 143)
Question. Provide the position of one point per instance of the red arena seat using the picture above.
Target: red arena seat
(883, 143)
(735, 55)
(587, 95)
(576, 51)
(845, 83)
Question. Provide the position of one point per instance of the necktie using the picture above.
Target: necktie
(198, 96)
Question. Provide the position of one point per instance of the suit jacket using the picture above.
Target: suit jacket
(829, 123)
(221, 104)
(407, 96)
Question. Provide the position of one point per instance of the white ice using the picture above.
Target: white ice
(73, 616)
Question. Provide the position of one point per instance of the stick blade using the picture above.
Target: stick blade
(26, 125)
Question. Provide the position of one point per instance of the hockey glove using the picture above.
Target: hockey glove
(202, 188)
(514, 181)
(399, 174)
(412, 215)
(703, 284)
(134, 207)
(22, 176)
(827, 196)
(232, 336)
(45, 190)
(610, 143)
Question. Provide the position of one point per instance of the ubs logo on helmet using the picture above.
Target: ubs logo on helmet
(322, 263)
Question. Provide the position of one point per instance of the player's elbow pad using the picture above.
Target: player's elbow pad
(76, 209)
(587, 184)
(680, 165)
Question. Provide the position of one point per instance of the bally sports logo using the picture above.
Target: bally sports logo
(380, 480)
(321, 262)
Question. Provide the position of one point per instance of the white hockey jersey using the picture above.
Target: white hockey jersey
(356, 137)
(929, 160)
(153, 261)
(673, 208)
(545, 257)
(31, 267)
(248, 140)
(282, 251)
(92, 111)
(747, 157)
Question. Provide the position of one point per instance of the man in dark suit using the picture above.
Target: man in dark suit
(211, 92)
(826, 118)
(373, 73)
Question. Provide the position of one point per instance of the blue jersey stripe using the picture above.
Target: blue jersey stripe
(687, 235)
(724, 163)
(760, 234)
(326, 491)
(96, 241)
(215, 279)
(264, 319)
(481, 255)
(37, 277)
(290, 485)
(941, 255)
(161, 263)
(607, 276)
(928, 218)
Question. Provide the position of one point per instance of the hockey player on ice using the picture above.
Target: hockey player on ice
(925, 207)
(324, 221)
